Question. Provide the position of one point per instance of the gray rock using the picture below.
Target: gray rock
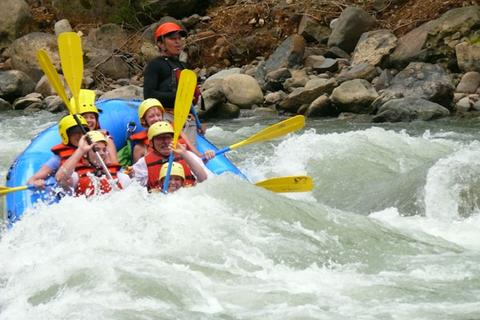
(409, 109)
(336, 52)
(242, 90)
(321, 107)
(45, 88)
(220, 76)
(108, 36)
(275, 97)
(299, 79)
(313, 60)
(62, 26)
(350, 25)
(468, 56)
(274, 80)
(463, 105)
(54, 104)
(360, 71)
(126, 92)
(5, 105)
(14, 18)
(311, 30)
(384, 80)
(436, 38)
(469, 83)
(31, 102)
(114, 67)
(227, 111)
(422, 80)
(328, 65)
(354, 96)
(301, 96)
(23, 53)
(373, 46)
(287, 55)
(213, 97)
(15, 84)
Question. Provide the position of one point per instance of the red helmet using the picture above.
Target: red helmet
(168, 27)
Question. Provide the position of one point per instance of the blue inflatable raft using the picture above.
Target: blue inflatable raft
(116, 117)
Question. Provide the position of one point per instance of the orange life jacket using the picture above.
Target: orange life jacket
(140, 137)
(155, 161)
(85, 184)
(63, 151)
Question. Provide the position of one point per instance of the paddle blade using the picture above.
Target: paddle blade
(274, 131)
(52, 75)
(71, 57)
(4, 190)
(287, 184)
(183, 101)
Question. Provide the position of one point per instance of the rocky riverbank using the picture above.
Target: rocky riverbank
(344, 65)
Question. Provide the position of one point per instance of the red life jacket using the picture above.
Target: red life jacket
(85, 184)
(63, 151)
(140, 137)
(154, 163)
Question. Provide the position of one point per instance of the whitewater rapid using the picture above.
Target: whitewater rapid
(391, 231)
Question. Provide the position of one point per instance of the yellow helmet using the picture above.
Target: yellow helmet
(147, 104)
(97, 136)
(159, 128)
(86, 99)
(68, 122)
(177, 170)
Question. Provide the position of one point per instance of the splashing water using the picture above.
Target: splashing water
(391, 231)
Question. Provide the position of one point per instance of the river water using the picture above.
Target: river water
(391, 231)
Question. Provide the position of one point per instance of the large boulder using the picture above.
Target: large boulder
(288, 54)
(23, 53)
(14, 18)
(373, 46)
(349, 27)
(437, 38)
(313, 89)
(125, 92)
(423, 80)
(409, 109)
(311, 30)
(15, 84)
(354, 96)
(468, 56)
(242, 90)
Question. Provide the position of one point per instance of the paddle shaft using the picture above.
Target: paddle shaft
(5, 190)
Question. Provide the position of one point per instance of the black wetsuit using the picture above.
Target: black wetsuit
(160, 81)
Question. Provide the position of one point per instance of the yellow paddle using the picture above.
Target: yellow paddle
(71, 57)
(52, 75)
(287, 184)
(274, 131)
(183, 101)
(4, 190)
